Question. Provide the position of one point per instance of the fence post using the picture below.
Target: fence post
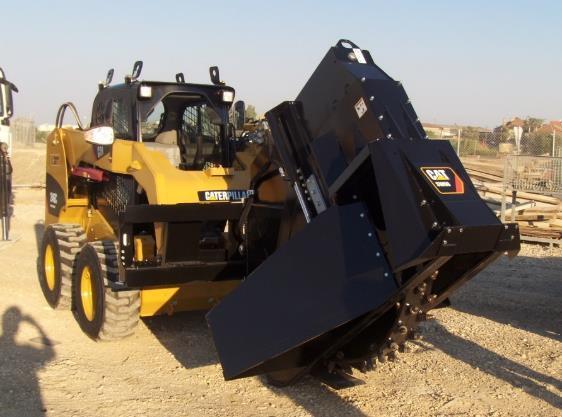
(504, 190)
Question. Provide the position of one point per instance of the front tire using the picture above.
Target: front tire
(60, 245)
(103, 314)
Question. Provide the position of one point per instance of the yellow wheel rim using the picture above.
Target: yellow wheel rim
(87, 293)
(49, 262)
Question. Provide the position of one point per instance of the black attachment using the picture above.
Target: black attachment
(394, 225)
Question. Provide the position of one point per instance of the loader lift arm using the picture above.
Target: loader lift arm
(392, 227)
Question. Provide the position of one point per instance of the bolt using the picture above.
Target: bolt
(434, 225)
(378, 254)
(362, 79)
(506, 227)
(403, 330)
(362, 215)
(449, 230)
(398, 304)
(414, 310)
(389, 136)
(381, 117)
(370, 234)
(445, 242)
(434, 275)
(408, 102)
(386, 274)
(431, 298)
(423, 203)
(354, 197)
(461, 230)
(371, 98)
(512, 237)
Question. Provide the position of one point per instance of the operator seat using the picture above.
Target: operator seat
(167, 144)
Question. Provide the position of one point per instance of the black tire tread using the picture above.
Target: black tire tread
(121, 315)
(70, 239)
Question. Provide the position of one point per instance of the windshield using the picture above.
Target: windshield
(151, 125)
(189, 125)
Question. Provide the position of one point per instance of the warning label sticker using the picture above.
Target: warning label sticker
(360, 108)
(444, 179)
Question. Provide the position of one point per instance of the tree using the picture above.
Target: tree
(251, 112)
(532, 124)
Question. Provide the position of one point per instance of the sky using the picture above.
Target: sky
(471, 62)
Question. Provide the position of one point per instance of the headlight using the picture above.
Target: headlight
(228, 96)
(145, 91)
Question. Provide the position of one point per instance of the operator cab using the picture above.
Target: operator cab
(188, 123)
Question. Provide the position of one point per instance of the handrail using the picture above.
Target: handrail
(60, 115)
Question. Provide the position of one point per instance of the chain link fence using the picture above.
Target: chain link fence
(535, 174)
(23, 131)
(499, 142)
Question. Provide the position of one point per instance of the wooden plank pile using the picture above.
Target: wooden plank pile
(539, 216)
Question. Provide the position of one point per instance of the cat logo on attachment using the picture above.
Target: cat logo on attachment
(444, 179)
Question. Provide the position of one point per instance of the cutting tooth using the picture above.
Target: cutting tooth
(403, 348)
(382, 357)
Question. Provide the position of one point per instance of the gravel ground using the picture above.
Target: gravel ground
(496, 352)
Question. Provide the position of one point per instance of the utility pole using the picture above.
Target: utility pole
(459, 141)
(553, 140)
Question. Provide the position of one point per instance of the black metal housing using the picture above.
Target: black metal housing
(393, 226)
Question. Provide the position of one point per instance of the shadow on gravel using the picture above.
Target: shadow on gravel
(317, 399)
(187, 337)
(39, 229)
(20, 394)
(524, 293)
(487, 361)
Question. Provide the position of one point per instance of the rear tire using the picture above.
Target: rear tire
(103, 314)
(60, 245)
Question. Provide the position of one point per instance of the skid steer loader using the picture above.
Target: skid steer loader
(317, 241)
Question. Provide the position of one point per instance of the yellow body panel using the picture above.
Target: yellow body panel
(163, 184)
(186, 297)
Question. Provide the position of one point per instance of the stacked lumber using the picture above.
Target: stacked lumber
(538, 215)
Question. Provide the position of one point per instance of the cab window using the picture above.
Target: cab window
(151, 126)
